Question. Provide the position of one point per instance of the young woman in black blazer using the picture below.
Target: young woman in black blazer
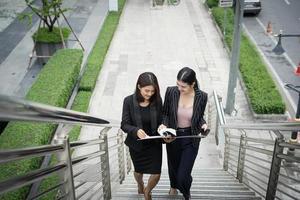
(183, 110)
(142, 114)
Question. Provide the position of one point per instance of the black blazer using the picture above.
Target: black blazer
(171, 106)
(132, 121)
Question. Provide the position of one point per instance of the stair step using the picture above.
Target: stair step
(194, 192)
(166, 176)
(198, 196)
(197, 184)
(195, 187)
(214, 184)
(195, 181)
(207, 176)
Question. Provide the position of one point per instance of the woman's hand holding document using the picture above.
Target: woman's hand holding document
(167, 131)
(168, 134)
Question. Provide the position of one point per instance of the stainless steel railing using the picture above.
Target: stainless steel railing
(84, 168)
(258, 155)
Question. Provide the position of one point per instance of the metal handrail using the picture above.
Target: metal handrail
(13, 155)
(289, 158)
(289, 145)
(263, 151)
(258, 158)
(31, 177)
(48, 190)
(85, 143)
(219, 109)
(260, 150)
(287, 126)
(54, 149)
(84, 158)
(261, 141)
(17, 109)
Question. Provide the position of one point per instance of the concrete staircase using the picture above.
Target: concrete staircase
(207, 184)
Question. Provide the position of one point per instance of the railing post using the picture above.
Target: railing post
(121, 158)
(217, 130)
(104, 159)
(274, 171)
(241, 160)
(68, 188)
(226, 150)
(211, 112)
(128, 160)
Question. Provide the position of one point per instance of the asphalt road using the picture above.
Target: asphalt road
(283, 15)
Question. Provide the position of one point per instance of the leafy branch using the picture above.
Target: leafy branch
(48, 11)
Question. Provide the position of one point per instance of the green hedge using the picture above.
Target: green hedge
(43, 35)
(97, 56)
(53, 87)
(81, 104)
(212, 3)
(218, 14)
(263, 94)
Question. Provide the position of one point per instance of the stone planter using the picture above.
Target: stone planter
(47, 49)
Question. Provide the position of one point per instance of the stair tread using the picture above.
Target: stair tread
(192, 190)
(207, 184)
(157, 191)
(194, 196)
(194, 186)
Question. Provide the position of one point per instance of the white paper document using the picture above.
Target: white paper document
(177, 137)
(167, 132)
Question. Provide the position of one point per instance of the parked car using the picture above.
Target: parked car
(252, 7)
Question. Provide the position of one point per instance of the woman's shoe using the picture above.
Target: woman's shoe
(187, 197)
(173, 191)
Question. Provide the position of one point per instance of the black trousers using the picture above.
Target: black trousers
(181, 158)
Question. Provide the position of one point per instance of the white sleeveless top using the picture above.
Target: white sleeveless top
(184, 117)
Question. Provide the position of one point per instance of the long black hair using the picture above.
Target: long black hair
(146, 79)
(187, 75)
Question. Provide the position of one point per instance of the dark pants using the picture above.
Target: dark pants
(181, 158)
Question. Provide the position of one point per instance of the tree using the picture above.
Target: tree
(49, 12)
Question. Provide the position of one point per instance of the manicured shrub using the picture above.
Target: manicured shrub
(43, 35)
(97, 56)
(212, 3)
(81, 104)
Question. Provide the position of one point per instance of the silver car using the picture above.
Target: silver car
(252, 7)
